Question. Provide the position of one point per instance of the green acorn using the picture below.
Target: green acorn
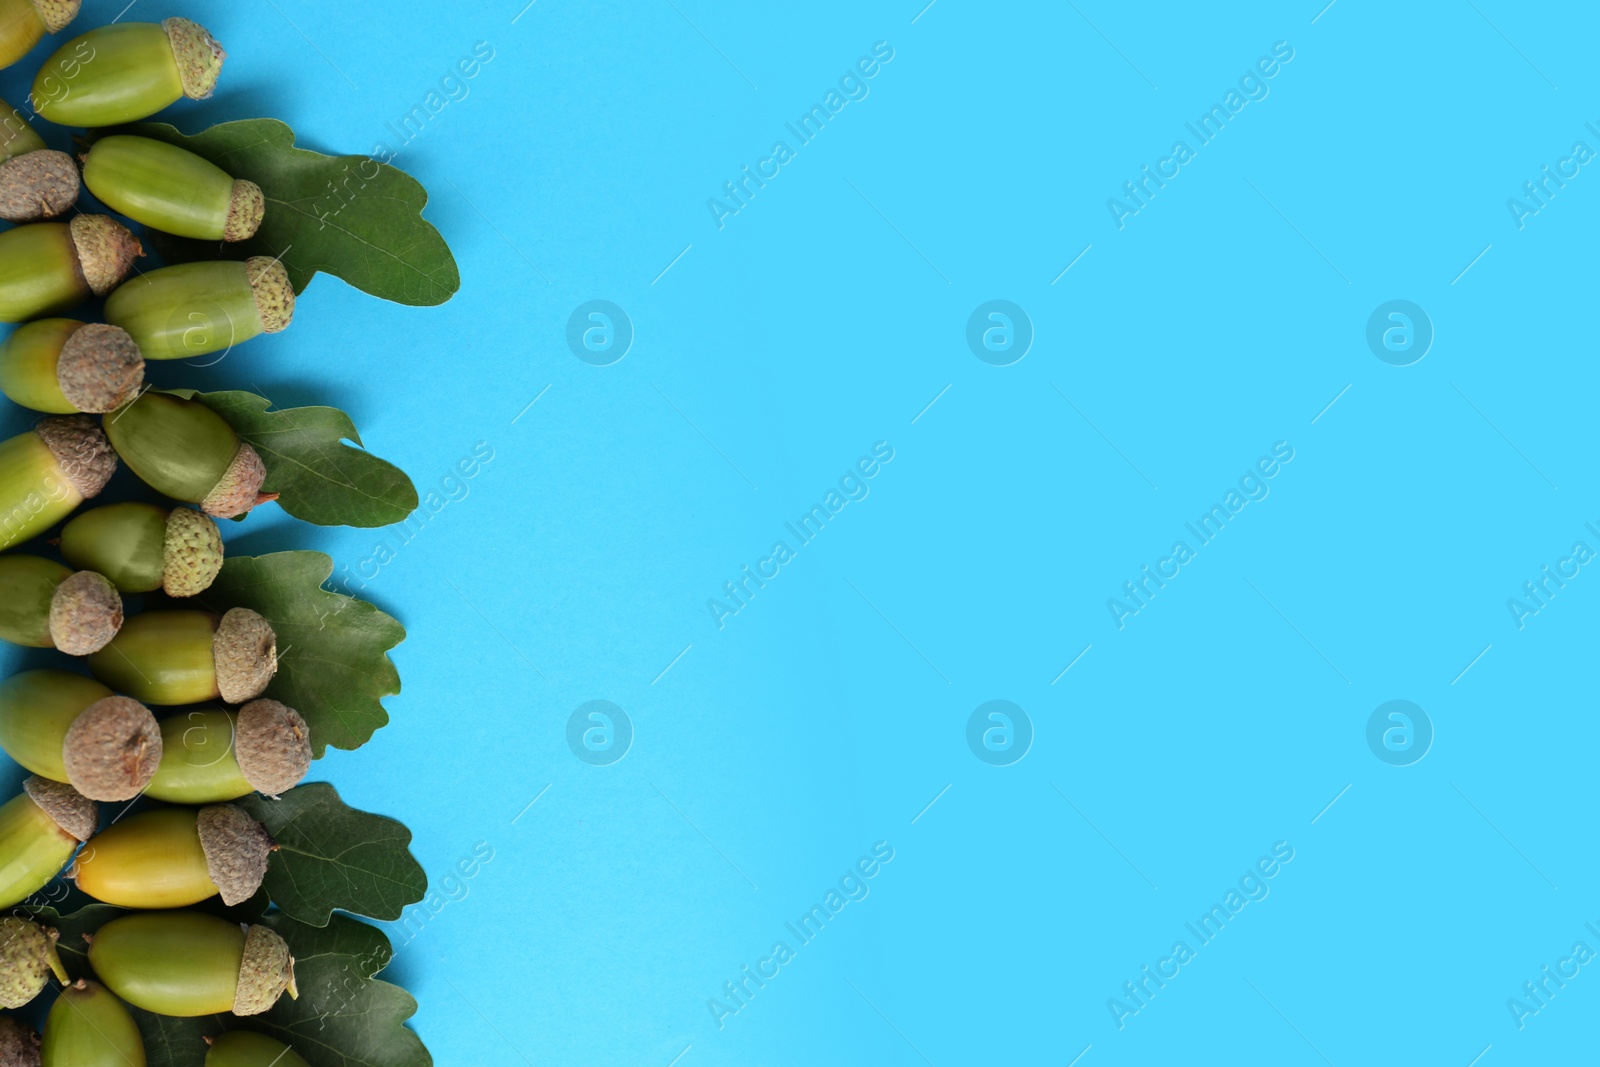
(40, 829)
(187, 963)
(175, 857)
(23, 24)
(61, 366)
(187, 657)
(127, 71)
(88, 1027)
(49, 267)
(143, 547)
(69, 728)
(210, 755)
(35, 182)
(47, 472)
(241, 1048)
(196, 308)
(19, 1045)
(46, 605)
(183, 449)
(27, 960)
(173, 190)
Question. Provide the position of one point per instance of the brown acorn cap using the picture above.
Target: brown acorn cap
(245, 651)
(19, 1046)
(100, 368)
(265, 972)
(83, 455)
(236, 848)
(57, 15)
(240, 487)
(193, 554)
(85, 613)
(245, 211)
(27, 960)
(273, 746)
(198, 54)
(75, 813)
(112, 749)
(269, 280)
(38, 185)
(106, 251)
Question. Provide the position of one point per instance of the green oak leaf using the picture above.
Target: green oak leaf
(333, 858)
(349, 216)
(333, 663)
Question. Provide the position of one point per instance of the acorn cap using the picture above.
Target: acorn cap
(269, 280)
(273, 746)
(38, 185)
(112, 749)
(27, 960)
(106, 251)
(85, 613)
(57, 15)
(236, 848)
(245, 211)
(245, 651)
(265, 972)
(75, 813)
(240, 487)
(19, 1046)
(193, 553)
(198, 54)
(83, 455)
(100, 368)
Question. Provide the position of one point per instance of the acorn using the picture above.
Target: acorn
(69, 728)
(19, 1045)
(188, 657)
(17, 138)
(88, 1027)
(187, 963)
(210, 755)
(27, 960)
(192, 309)
(144, 547)
(23, 24)
(48, 267)
(46, 605)
(35, 182)
(127, 71)
(61, 366)
(242, 1048)
(40, 829)
(175, 857)
(171, 189)
(47, 472)
(184, 450)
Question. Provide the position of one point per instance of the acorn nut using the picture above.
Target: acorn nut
(23, 24)
(46, 605)
(48, 267)
(187, 963)
(19, 1045)
(48, 471)
(193, 309)
(210, 755)
(39, 831)
(187, 657)
(27, 960)
(184, 450)
(69, 728)
(171, 189)
(175, 857)
(88, 1027)
(143, 547)
(61, 366)
(127, 71)
(35, 182)
(242, 1048)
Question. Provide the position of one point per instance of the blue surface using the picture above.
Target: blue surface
(1228, 717)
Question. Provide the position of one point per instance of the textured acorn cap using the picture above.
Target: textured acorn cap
(240, 487)
(57, 15)
(198, 54)
(273, 746)
(106, 251)
(236, 848)
(85, 613)
(112, 749)
(100, 368)
(27, 960)
(245, 211)
(266, 971)
(274, 295)
(193, 554)
(38, 185)
(83, 455)
(75, 813)
(246, 654)
(19, 1046)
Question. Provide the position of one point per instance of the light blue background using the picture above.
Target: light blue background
(827, 715)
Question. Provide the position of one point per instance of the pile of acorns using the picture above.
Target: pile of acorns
(88, 740)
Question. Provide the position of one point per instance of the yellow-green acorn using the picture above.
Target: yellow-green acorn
(47, 472)
(69, 728)
(48, 267)
(242, 1048)
(210, 755)
(188, 657)
(19, 1045)
(27, 960)
(61, 366)
(35, 182)
(23, 24)
(197, 308)
(46, 605)
(176, 857)
(127, 71)
(184, 450)
(143, 547)
(39, 831)
(187, 963)
(88, 1027)
(171, 189)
